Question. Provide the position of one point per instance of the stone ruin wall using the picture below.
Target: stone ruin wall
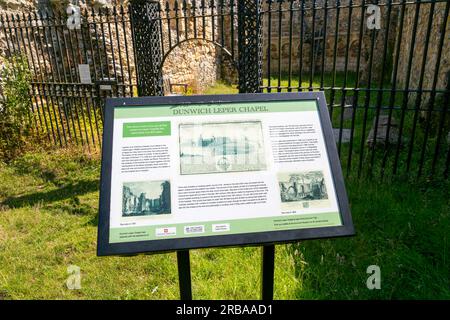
(328, 49)
(193, 62)
(353, 44)
(419, 46)
(46, 48)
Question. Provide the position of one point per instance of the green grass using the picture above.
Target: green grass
(48, 221)
(222, 88)
(402, 228)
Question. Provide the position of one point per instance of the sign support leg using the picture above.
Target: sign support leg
(268, 268)
(184, 274)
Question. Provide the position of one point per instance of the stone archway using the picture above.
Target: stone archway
(197, 63)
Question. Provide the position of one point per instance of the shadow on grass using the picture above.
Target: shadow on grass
(68, 191)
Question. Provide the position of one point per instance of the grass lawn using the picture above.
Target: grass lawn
(48, 221)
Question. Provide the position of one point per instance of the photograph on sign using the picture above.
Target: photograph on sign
(188, 172)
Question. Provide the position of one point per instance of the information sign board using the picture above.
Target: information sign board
(203, 171)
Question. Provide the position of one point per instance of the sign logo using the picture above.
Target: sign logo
(165, 232)
(194, 229)
(224, 227)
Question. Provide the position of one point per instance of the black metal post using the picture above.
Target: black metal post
(268, 270)
(250, 81)
(184, 275)
(250, 46)
(147, 33)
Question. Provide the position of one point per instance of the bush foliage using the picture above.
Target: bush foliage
(15, 108)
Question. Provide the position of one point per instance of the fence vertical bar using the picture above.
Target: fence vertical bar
(203, 8)
(21, 24)
(13, 51)
(335, 45)
(24, 20)
(147, 48)
(15, 32)
(111, 46)
(194, 18)
(420, 86)
(367, 99)
(94, 99)
(71, 99)
(185, 16)
(232, 28)
(77, 90)
(380, 87)
(291, 18)
(300, 52)
(119, 49)
(406, 89)
(344, 84)
(59, 19)
(97, 41)
(250, 46)
(103, 42)
(49, 55)
(394, 87)
(433, 88)
(444, 115)
(222, 24)
(213, 21)
(324, 43)
(313, 43)
(280, 25)
(127, 53)
(177, 21)
(269, 45)
(356, 88)
(43, 73)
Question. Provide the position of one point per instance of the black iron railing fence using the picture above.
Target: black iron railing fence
(67, 105)
(384, 66)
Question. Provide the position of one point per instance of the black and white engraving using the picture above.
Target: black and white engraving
(146, 198)
(222, 147)
(303, 189)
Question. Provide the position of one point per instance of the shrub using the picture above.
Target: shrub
(15, 107)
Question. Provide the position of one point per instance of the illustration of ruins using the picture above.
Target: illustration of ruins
(137, 202)
(304, 186)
